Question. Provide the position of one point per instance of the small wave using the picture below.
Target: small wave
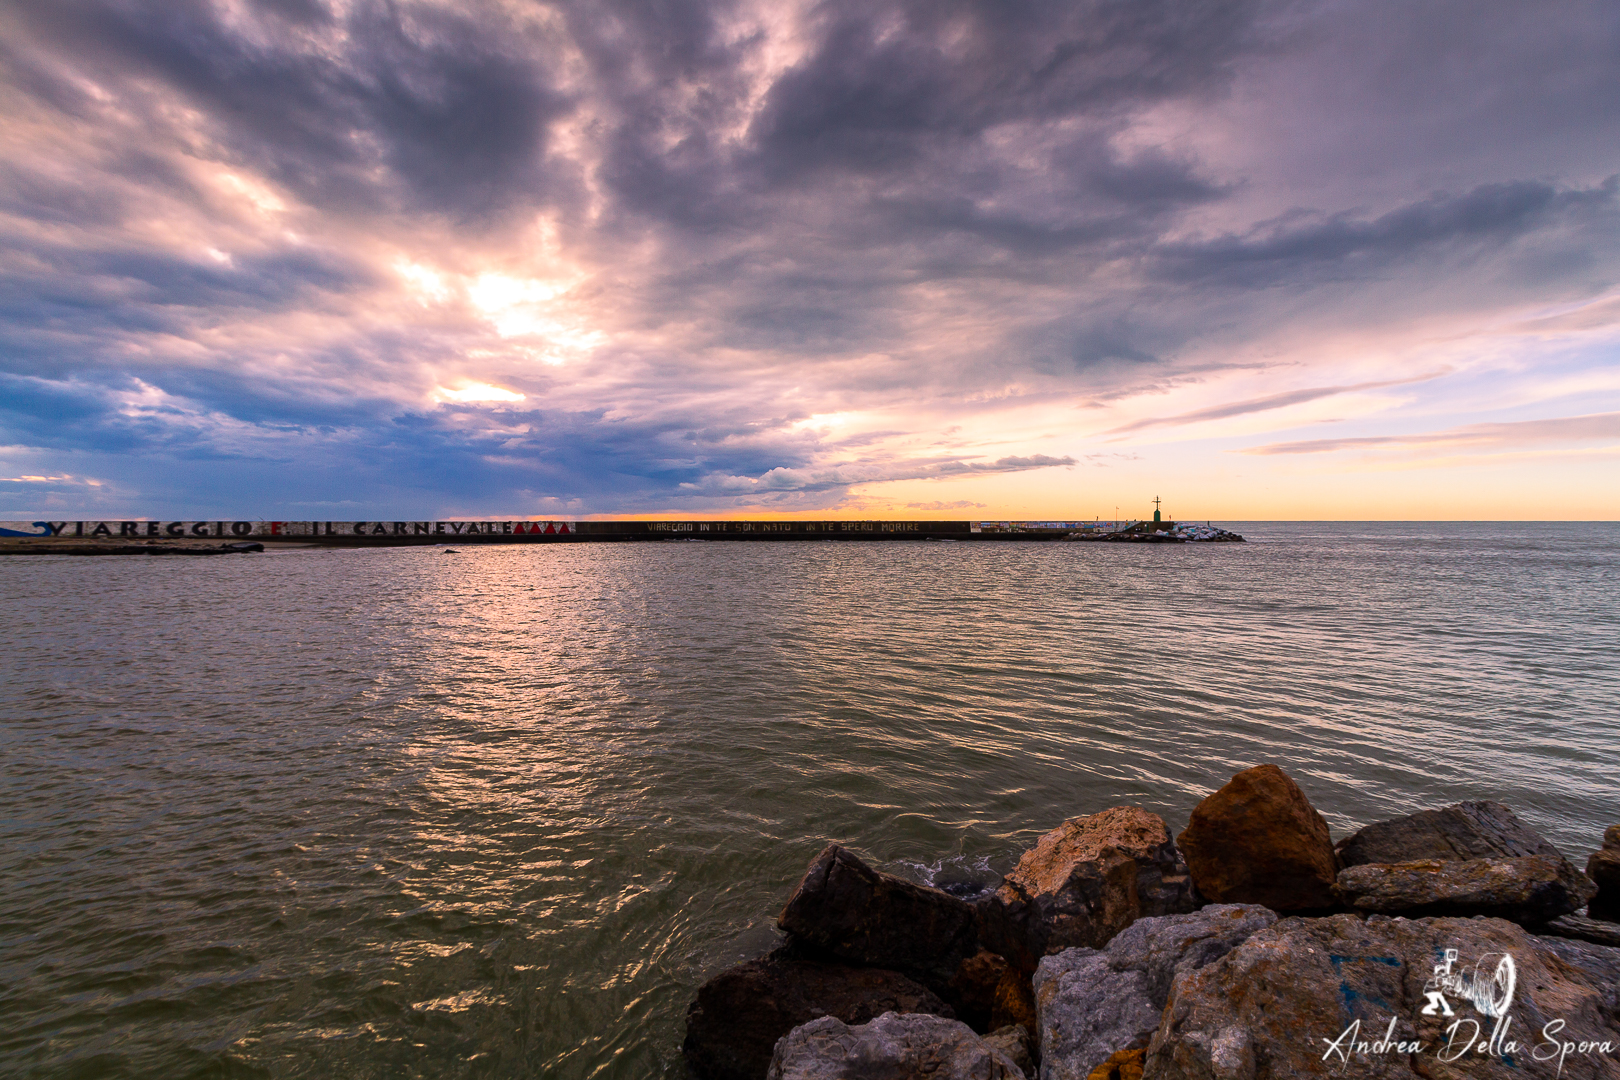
(967, 877)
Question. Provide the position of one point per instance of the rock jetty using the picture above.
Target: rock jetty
(1448, 943)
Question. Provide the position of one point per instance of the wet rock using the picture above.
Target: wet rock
(1125, 1065)
(1017, 1043)
(890, 1047)
(1094, 1004)
(1084, 882)
(1470, 830)
(849, 911)
(1258, 840)
(1604, 869)
(1339, 986)
(737, 1016)
(987, 993)
(1531, 889)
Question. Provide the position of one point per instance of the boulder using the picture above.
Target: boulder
(1094, 1004)
(1343, 996)
(1084, 882)
(1163, 948)
(1088, 1011)
(1015, 1003)
(1604, 868)
(1470, 830)
(972, 990)
(737, 1016)
(987, 993)
(1258, 840)
(1531, 889)
(1600, 964)
(1018, 1043)
(1597, 931)
(890, 1047)
(846, 910)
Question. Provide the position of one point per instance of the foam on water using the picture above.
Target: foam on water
(967, 877)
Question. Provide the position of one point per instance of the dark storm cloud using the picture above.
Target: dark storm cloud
(451, 108)
(884, 123)
(885, 79)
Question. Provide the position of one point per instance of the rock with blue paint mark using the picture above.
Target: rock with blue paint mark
(1390, 999)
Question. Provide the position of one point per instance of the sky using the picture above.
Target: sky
(353, 259)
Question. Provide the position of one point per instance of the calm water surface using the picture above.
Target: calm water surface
(400, 814)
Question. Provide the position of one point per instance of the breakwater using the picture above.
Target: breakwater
(393, 533)
(1117, 951)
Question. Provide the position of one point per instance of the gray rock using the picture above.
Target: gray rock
(1163, 948)
(1015, 1041)
(846, 910)
(1084, 882)
(890, 1047)
(1531, 889)
(1087, 1011)
(738, 1016)
(1275, 1005)
(1470, 830)
(1092, 1004)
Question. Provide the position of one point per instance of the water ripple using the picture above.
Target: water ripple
(366, 814)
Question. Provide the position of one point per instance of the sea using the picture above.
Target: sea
(402, 813)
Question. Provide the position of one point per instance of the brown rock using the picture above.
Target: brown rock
(988, 993)
(1084, 882)
(1533, 889)
(1275, 1005)
(1014, 1003)
(849, 911)
(1604, 868)
(733, 1024)
(1580, 928)
(972, 990)
(1258, 840)
(1125, 1065)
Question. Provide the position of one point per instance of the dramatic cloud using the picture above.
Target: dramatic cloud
(422, 257)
